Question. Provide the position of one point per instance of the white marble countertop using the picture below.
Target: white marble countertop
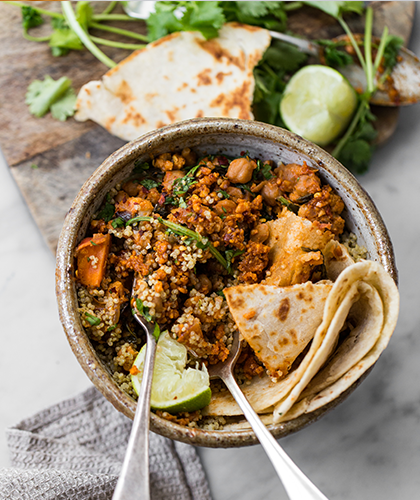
(367, 448)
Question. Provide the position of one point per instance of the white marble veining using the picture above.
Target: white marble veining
(368, 448)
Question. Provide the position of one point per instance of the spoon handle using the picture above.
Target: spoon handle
(297, 485)
(134, 477)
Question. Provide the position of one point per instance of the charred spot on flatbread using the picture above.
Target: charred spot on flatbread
(283, 309)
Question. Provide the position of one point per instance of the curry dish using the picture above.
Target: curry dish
(189, 228)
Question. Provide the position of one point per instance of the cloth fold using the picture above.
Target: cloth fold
(74, 451)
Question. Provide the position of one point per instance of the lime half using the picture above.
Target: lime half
(174, 388)
(318, 103)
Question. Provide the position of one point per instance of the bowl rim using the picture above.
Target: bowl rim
(65, 290)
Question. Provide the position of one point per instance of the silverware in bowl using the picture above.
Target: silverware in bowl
(205, 136)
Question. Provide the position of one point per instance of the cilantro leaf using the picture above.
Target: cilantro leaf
(118, 222)
(392, 48)
(333, 55)
(92, 320)
(230, 255)
(30, 18)
(65, 39)
(143, 310)
(149, 183)
(182, 185)
(108, 211)
(356, 155)
(336, 9)
(156, 332)
(64, 107)
(140, 167)
(42, 94)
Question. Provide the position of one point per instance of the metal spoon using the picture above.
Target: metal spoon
(133, 481)
(297, 485)
(405, 75)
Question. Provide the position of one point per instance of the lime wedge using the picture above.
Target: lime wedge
(318, 103)
(174, 388)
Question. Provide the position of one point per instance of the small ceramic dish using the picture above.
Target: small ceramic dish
(206, 136)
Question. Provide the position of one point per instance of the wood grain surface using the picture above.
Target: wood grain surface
(66, 153)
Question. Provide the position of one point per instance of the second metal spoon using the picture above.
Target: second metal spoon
(297, 485)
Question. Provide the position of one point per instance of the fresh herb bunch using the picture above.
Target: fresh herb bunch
(70, 31)
(355, 147)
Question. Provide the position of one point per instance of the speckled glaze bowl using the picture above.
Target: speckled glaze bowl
(215, 136)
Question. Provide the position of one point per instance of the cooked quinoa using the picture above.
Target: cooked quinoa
(188, 228)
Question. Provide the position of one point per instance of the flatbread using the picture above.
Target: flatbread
(177, 77)
(278, 323)
(365, 295)
(296, 246)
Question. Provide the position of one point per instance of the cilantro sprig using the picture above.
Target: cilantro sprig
(51, 95)
(70, 30)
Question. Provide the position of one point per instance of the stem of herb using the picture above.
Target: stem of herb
(119, 45)
(119, 31)
(39, 10)
(368, 50)
(353, 41)
(111, 6)
(113, 17)
(292, 5)
(381, 49)
(36, 38)
(352, 126)
(176, 228)
(84, 37)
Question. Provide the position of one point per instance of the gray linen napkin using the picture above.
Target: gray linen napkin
(74, 451)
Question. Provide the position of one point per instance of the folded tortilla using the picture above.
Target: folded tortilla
(178, 77)
(363, 295)
(278, 323)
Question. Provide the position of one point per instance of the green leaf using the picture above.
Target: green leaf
(108, 211)
(288, 204)
(392, 48)
(140, 167)
(162, 22)
(333, 55)
(356, 155)
(30, 18)
(65, 38)
(143, 310)
(156, 332)
(92, 320)
(65, 106)
(182, 185)
(149, 183)
(42, 94)
(336, 9)
(118, 222)
(84, 14)
(230, 255)
(284, 57)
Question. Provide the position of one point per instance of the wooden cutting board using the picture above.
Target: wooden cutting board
(50, 160)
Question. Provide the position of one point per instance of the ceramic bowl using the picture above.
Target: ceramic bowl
(212, 136)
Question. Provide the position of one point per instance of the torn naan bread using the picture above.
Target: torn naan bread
(180, 76)
(278, 322)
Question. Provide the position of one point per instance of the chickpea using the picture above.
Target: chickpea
(132, 188)
(224, 207)
(205, 286)
(260, 233)
(121, 197)
(178, 161)
(270, 192)
(233, 192)
(190, 157)
(240, 170)
(170, 178)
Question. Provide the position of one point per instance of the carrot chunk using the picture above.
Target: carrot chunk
(92, 254)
